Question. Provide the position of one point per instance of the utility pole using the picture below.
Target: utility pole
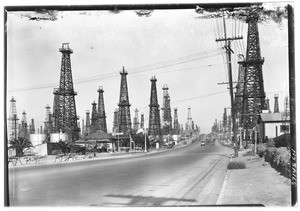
(228, 49)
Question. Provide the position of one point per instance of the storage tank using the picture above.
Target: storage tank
(37, 139)
(55, 137)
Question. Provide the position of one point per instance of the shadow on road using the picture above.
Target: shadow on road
(141, 201)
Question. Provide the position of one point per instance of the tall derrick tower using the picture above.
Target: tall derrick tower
(154, 117)
(48, 127)
(23, 127)
(32, 127)
(83, 129)
(286, 112)
(254, 93)
(176, 124)
(124, 105)
(94, 119)
(101, 111)
(268, 105)
(136, 124)
(167, 118)
(276, 105)
(13, 119)
(225, 119)
(116, 121)
(238, 100)
(142, 121)
(189, 120)
(64, 109)
(87, 123)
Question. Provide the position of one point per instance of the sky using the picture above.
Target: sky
(177, 46)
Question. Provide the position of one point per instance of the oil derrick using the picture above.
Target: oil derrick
(48, 121)
(87, 123)
(142, 121)
(116, 121)
(286, 112)
(94, 119)
(64, 98)
(55, 112)
(268, 105)
(154, 117)
(189, 120)
(276, 106)
(176, 124)
(32, 127)
(238, 100)
(136, 123)
(83, 129)
(124, 105)
(13, 119)
(253, 94)
(23, 132)
(101, 111)
(166, 117)
(225, 119)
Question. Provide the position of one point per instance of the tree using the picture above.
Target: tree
(139, 140)
(19, 144)
(64, 146)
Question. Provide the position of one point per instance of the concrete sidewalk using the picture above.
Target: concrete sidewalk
(257, 184)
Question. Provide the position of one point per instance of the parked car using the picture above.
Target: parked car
(202, 143)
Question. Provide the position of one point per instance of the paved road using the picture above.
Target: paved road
(191, 175)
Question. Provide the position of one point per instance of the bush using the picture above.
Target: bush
(270, 143)
(184, 143)
(261, 149)
(269, 154)
(236, 165)
(279, 159)
(282, 140)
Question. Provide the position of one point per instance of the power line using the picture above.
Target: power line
(151, 67)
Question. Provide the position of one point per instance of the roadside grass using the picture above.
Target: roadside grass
(236, 165)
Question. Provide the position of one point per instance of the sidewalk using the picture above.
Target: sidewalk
(51, 159)
(257, 184)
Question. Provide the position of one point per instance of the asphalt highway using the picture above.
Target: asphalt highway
(188, 176)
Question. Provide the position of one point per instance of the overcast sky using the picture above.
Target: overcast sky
(176, 46)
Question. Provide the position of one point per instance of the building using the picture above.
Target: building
(272, 125)
(101, 140)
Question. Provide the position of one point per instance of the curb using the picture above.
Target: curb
(221, 195)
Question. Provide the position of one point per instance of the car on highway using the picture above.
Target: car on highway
(202, 143)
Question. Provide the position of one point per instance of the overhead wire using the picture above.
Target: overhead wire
(159, 65)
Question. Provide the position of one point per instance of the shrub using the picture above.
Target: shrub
(269, 153)
(236, 165)
(279, 159)
(282, 140)
(270, 143)
(184, 143)
(261, 149)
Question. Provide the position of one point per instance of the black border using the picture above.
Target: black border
(292, 90)
(207, 6)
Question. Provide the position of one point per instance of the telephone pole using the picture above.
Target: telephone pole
(228, 49)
